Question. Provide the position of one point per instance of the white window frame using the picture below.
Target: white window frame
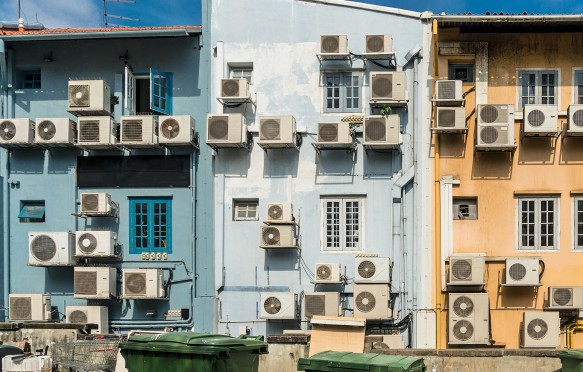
(239, 204)
(538, 204)
(538, 87)
(241, 71)
(575, 213)
(343, 227)
(576, 70)
(342, 96)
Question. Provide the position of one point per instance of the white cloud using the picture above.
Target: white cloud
(55, 13)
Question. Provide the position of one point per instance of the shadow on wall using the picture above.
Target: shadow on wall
(492, 166)
(537, 150)
(62, 161)
(453, 145)
(518, 297)
(27, 161)
(379, 164)
(571, 153)
(280, 163)
(335, 163)
(282, 259)
(58, 280)
(232, 162)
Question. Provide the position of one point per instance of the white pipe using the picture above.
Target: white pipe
(375, 8)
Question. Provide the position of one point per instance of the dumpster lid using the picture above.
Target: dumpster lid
(333, 360)
(576, 354)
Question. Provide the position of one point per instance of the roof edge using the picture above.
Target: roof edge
(375, 8)
(509, 18)
(139, 33)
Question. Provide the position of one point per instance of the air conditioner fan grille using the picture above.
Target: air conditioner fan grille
(446, 89)
(375, 44)
(366, 269)
(132, 130)
(89, 131)
(563, 296)
(324, 272)
(271, 236)
(90, 202)
(489, 135)
(463, 306)
(461, 270)
(87, 243)
(463, 330)
(375, 130)
(331, 44)
(230, 88)
(517, 271)
(536, 118)
(85, 283)
(489, 114)
(218, 129)
(170, 128)
(7, 130)
(79, 95)
(43, 248)
(537, 329)
(272, 305)
(270, 129)
(365, 301)
(382, 86)
(328, 133)
(275, 212)
(577, 118)
(20, 308)
(46, 129)
(135, 283)
(315, 305)
(78, 317)
(446, 118)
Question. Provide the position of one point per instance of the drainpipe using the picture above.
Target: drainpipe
(571, 330)
(437, 207)
(4, 82)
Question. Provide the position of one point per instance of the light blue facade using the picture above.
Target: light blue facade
(50, 175)
(280, 40)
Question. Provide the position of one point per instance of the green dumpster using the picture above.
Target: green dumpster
(571, 360)
(187, 351)
(347, 362)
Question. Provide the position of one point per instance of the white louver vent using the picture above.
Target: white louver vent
(95, 204)
(327, 273)
(98, 132)
(89, 97)
(321, 304)
(382, 132)
(176, 130)
(522, 271)
(371, 301)
(448, 92)
(16, 132)
(95, 243)
(95, 282)
(540, 120)
(387, 86)
(279, 213)
(277, 132)
(333, 44)
(234, 88)
(466, 270)
(139, 131)
(89, 315)
(278, 236)
(469, 319)
(227, 130)
(143, 283)
(372, 270)
(541, 329)
(279, 305)
(565, 298)
(29, 307)
(495, 127)
(50, 249)
(55, 131)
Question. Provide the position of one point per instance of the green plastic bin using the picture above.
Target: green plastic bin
(571, 360)
(187, 351)
(347, 362)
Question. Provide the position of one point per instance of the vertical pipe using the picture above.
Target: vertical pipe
(6, 241)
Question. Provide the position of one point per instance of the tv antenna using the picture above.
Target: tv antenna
(106, 15)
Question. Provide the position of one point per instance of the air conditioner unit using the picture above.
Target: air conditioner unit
(277, 131)
(387, 87)
(143, 283)
(279, 305)
(565, 298)
(575, 119)
(16, 132)
(95, 282)
(278, 236)
(382, 132)
(322, 304)
(55, 131)
(466, 270)
(522, 271)
(327, 273)
(495, 126)
(371, 301)
(137, 131)
(378, 45)
(540, 120)
(50, 249)
(33, 307)
(176, 130)
(333, 44)
(96, 132)
(541, 329)
(89, 97)
(372, 270)
(89, 315)
(334, 134)
(226, 130)
(234, 88)
(451, 118)
(469, 319)
(95, 243)
(95, 204)
(447, 91)
(279, 213)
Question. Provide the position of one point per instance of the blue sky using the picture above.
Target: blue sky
(89, 13)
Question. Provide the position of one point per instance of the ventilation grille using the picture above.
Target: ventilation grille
(170, 128)
(577, 118)
(446, 118)
(446, 89)
(375, 44)
(21, 308)
(43, 248)
(536, 118)
(85, 283)
(89, 131)
(218, 128)
(230, 88)
(517, 271)
(493, 135)
(46, 130)
(382, 86)
(563, 296)
(328, 133)
(330, 44)
(366, 269)
(463, 330)
(87, 243)
(90, 202)
(365, 302)
(324, 272)
(275, 212)
(315, 305)
(492, 114)
(271, 236)
(461, 270)
(132, 130)
(7, 130)
(79, 95)
(375, 130)
(272, 305)
(537, 329)
(270, 129)
(78, 317)
(135, 283)
(463, 306)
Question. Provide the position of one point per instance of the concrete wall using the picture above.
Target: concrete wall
(539, 165)
(287, 81)
(34, 174)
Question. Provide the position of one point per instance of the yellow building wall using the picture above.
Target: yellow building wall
(540, 165)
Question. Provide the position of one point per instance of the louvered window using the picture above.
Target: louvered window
(538, 223)
(342, 224)
(342, 92)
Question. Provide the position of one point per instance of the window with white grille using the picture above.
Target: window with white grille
(578, 85)
(539, 87)
(538, 222)
(241, 71)
(342, 92)
(342, 224)
(245, 210)
(578, 220)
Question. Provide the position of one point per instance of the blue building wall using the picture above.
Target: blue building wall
(35, 174)
(281, 40)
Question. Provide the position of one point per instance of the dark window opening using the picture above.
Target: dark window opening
(32, 211)
(31, 80)
(461, 71)
(143, 97)
(465, 208)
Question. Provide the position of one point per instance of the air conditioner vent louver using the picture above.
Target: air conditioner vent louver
(447, 89)
(43, 248)
(135, 283)
(230, 88)
(271, 236)
(324, 272)
(577, 117)
(376, 130)
(517, 271)
(563, 296)
(89, 131)
(21, 308)
(270, 129)
(375, 43)
(275, 212)
(462, 270)
(77, 316)
(463, 306)
(489, 114)
(46, 129)
(87, 243)
(7, 130)
(446, 118)
(315, 305)
(85, 283)
(489, 135)
(90, 202)
(537, 329)
(366, 269)
(382, 86)
(331, 44)
(536, 118)
(219, 129)
(79, 95)
(463, 330)
(328, 133)
(132, 130)
(272, 305)
(170, 128)
(365, 301)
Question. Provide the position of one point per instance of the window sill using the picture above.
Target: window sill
(336, 252)
(539, 250)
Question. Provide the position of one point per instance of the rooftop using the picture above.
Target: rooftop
(97, 33)
(510, 22)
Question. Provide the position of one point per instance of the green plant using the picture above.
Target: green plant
(386, 110)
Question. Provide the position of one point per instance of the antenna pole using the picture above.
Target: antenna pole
(104, 13)
(18, 9)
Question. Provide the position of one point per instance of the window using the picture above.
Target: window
(245, 210)
(465, 208)
(148, 93)
(578, 87)
(342, 224)
(31, 79)
(578, 228)
(150, 225)
(461, 71)
(241, 71)
(538, 87)
(538, 223)
(32, 211)
(341, 92)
